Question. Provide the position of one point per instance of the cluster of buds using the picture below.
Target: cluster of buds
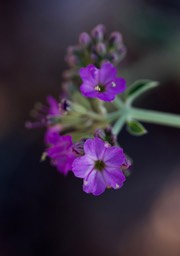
(94, 48)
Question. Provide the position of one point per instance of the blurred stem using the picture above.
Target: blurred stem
(155, 117)
(128, 112)
(119, 124)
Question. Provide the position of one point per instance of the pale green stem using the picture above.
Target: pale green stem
(95, 116)
(155, 117)
(114, 115)
(119, 124)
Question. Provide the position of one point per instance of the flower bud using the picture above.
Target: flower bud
(117, 56)
(78, 148)
(106, 135)
(84, 39)
(99, 133)
(126, 164)
(98, 32)
(93, 57)
(101, 48)
(115, 38)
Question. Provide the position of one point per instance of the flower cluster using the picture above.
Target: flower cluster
(93, 48)
(79, 136)
(82, 127)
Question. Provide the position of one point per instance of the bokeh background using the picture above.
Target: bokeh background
(44, 213)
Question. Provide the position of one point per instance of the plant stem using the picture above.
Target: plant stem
(155, 117)
(119, 125)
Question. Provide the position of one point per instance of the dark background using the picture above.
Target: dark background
(44, 213)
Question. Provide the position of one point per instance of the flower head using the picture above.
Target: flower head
(100, 167)
(94, 48)
(41, 113)
(101, 83)
(60, 152)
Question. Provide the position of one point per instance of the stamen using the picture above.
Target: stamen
(97, 88)
(117, 186)
(85, 182)
(113, 84)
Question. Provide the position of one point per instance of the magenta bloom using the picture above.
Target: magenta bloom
(61, 152)
(54, 108)
(41, 113)
(100, 167)
(101, 83)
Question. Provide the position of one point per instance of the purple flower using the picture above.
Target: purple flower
(100, 167)
(101, 83)
(54, 108)
(60, 152)
(41, 113)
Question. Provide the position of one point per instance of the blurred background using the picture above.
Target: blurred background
(44, 213)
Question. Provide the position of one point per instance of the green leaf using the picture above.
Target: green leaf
(135, 128)
(138, 88)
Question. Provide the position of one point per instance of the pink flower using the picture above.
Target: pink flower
(100, 167)
(101, 83)
(60, 152)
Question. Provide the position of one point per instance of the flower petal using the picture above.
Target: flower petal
(89, 74)
(64, 164)
(82, 166)
(106, 96)
(114, 156)
(107, 73)
(116, 86)
(94, 148)
(114, 177)
(88, 90)
(94, 183)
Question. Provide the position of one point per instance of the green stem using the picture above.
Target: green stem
(114, 115)
(155, 117)
(95, 116)
(119, 125)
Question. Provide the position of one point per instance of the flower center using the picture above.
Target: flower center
(100, 88)
(99, 165)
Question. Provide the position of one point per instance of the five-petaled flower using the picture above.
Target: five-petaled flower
(101, 83)
(100, 167)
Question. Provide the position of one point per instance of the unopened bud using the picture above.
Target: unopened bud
(98, 32)
(115, 38)
(78, 147)
(99, 133)
(106, 135)
(84, 39)
(101, 48)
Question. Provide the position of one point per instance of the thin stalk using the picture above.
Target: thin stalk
(119, 125)
(155, 117)
(96, 116)
(114, 115)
